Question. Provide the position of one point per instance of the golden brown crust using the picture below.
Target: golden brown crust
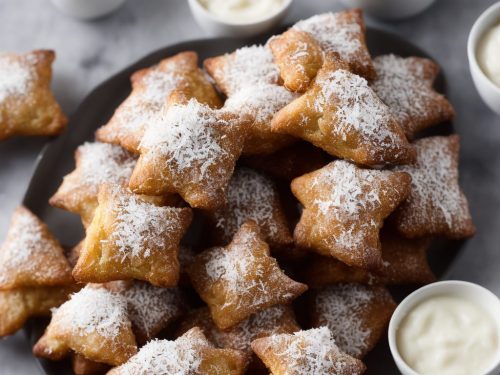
(83, 366)
(151, 88)
(298, 56)
(27, 106)
(130, 237)
(344, 209)
(241, 279)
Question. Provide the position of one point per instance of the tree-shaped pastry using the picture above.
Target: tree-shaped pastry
(190, 149)
(342, 115)
(241, 279)
(96, 163)
(305, 352)
(270, 321)
(131, 238)
(251, 195)
(151, 88)
(405, 85)
(190, 354)
(27, 104)
(344, 210)
(357, 315)
(404, 262)
(436, 205)
(93, 323)
(31, 256)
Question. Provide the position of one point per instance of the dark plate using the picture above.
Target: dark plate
(57, 160)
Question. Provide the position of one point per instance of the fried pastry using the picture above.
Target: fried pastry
(17, 305)
(83, 366)
(298, 56)
(357, 315)
(93, 323)
(189, 354)
(130, 238)
(246, 67)
(436, 204)
(404, 262)
(405, 85)
(273, 320)
(344, 210)
(191, 150)
(150, 308)
(260, 103)
(305, 352)
(151, 88)
(27, 105)
(31, 256)
(342, 115)
(96, 163)
(342, 33)
(241, 279)
(290, 162)
(251, 195)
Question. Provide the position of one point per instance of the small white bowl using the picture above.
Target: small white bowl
(474, 293)
(489, 92)
(390, 9)
(216, 26)
(87, 9)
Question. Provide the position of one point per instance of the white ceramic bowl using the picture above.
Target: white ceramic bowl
(474, 293)
(489, 92)
(390, 9)
(216, 26)
(87, 9)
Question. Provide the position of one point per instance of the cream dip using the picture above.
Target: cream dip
(242, 11)
(448, 335)
(488, 54)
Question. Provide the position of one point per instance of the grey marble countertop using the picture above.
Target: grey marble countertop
(89, 52)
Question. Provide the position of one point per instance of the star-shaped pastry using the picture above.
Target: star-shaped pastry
(31, 256)
(404, 262)
(357, 315)
(274, 320)
(189, 354)
(190, 149)
(344, 210)
(436, 204)
(298, 56)
(246, 67)
(131, 238)
(150, 308)
(405, 85)
(342, 33)
(342, 115)
(251, 195)
(27, 105)
(20, 304)
(151, 88)
(93, 323)
(241, 279)
(306, 352)
(96, 163)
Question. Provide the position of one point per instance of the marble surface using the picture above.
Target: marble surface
(89, 52)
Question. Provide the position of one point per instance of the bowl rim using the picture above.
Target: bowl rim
(478, 29)
(420, 295)
(195, 4)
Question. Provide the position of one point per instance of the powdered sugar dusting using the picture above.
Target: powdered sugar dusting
(340, 308)
(162, 357)
(248, 67)
(93, 310)
(358, 110)
(15, 77)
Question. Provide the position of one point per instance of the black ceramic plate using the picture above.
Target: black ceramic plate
(57, 160)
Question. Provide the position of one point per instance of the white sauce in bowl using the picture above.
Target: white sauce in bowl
(242, 11)
(448, 335)
(488, 54)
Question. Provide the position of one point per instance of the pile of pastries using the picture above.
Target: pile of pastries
(299, 167)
